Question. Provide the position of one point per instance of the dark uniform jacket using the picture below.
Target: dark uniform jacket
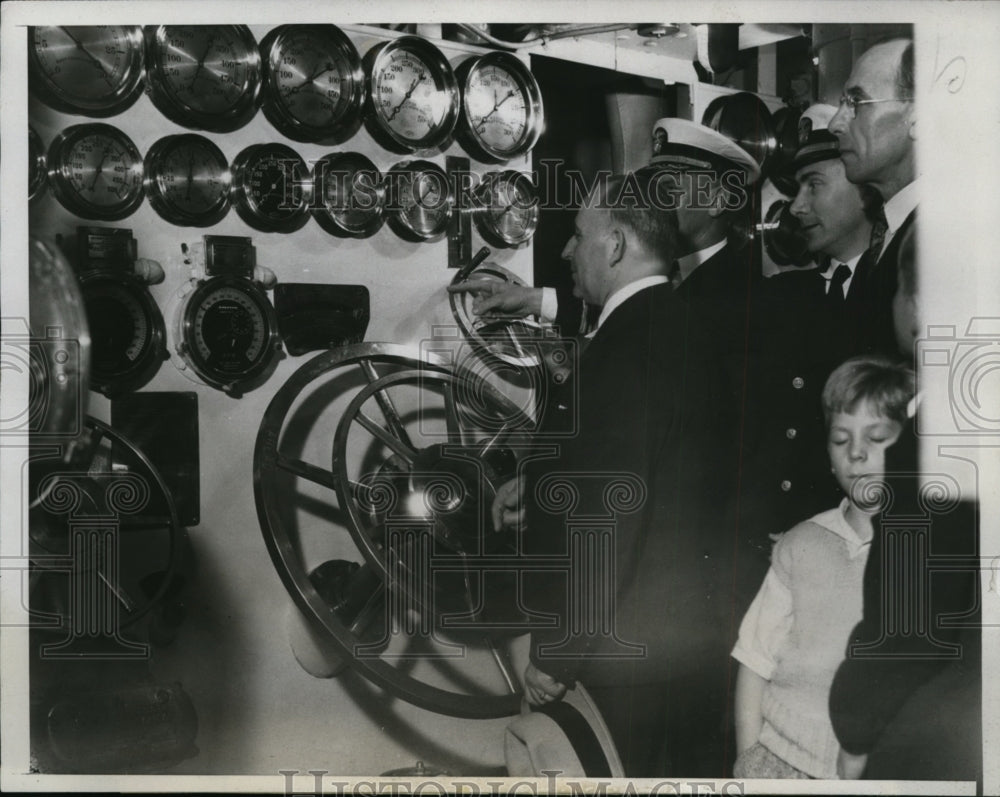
(638, 465)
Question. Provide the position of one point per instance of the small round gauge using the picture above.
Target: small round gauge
(269, 187)
(413, 95)
(204, 76)
(91, 70)
(127, 333)
(229, 331)
(314, 84)
(507, 208)
(419, 200)
(501, 107)
(187, 180)
(36, 164)
(96, 172)
(349, 195)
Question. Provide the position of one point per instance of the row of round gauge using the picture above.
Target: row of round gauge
(309, 79)
(97, 172)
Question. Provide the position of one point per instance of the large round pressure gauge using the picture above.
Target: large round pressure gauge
(229, 331)
(507, 208)
(419, 200)
(413, 95)
(127, 333)
(96, 172)
(204, 76)
(270, 187)
(36, 164)
(349, 197)
(91, 70)
(501, 107)
(187, 180)
(314, 84)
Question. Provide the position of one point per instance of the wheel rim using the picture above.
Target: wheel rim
(386, 378)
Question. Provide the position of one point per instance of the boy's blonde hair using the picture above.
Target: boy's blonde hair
(886, 384)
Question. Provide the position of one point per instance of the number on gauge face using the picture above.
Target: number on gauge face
(230, 331)
(408, 97)
(188, 180)
(96, 171)
(90, 69)
(205, 75)
(497, 108)
(315, 82)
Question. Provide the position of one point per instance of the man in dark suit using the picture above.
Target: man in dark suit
(635, 468)
(876, 128)
(906, 701)
(803, 324)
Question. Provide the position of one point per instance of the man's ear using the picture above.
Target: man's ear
(912, 130)
(718, 203)
(618, 244)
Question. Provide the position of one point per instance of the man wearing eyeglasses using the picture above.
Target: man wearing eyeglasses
(876, 129)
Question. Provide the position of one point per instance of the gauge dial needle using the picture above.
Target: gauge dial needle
(319, 71)
(190, 178)
(201, 62)
(89, 55)
(496, 107)
(409, 93)
(100, 168)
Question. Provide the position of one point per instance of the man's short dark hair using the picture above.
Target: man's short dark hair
(905, 81)
(628, 198)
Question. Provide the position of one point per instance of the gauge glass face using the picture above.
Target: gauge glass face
(272, 187)
(91, 67)
(424, 202)
(192, 177)
(497, 108)
(36, 164)
(408, 97)
(119, 329)
(230, 331)
(209, 69)
(512, 208)
(102, 170)
(316, 80)
(350, 192)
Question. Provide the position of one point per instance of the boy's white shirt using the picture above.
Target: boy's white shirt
(769, 618)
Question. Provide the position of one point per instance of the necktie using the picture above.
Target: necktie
(879, 228)
(835, 296)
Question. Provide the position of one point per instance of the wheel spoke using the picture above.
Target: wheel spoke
(89, 454)
(386, 405)
(503, 664)
(395, 443)
(456, 434)
(307, 471)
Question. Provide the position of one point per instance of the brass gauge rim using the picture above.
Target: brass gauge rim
(272, 49)
(156, 176)
(376, 60)
(533, 106)
(59, 173)
(114, 382)
(336, 221)
(396, 208)
(122, 93)
(228, 380)
(242, 196)
(238, 114)
(37, 171)
(485, 216)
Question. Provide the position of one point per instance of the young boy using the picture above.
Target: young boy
(795, 632)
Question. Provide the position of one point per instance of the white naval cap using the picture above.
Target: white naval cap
(689, 143)
(816, 142)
